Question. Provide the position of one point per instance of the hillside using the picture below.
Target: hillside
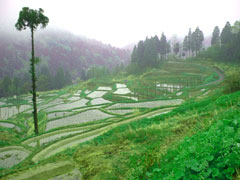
(171, 122)
(56, 48)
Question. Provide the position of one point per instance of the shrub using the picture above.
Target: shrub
(232, 82)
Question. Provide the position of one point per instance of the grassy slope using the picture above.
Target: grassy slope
(140, 150)
(136, 150)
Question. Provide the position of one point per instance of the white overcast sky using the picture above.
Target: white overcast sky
(122, 22)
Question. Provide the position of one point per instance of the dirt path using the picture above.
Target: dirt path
(220, 75)
(217, 70)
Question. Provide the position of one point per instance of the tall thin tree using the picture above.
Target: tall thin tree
(189, 41)
(163, 46)
(215, 36)
(32, 18)
(226, 34)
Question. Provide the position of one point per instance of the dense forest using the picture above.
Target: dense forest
(64, 58)
(152, 51)
(225, 44)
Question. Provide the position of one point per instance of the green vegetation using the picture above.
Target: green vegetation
(211, 153)
(32, 19)
(146, 53)
(146, 142)
(192, 43)
(139, 150)
(228, 50)
(159, 118)
(232, 82)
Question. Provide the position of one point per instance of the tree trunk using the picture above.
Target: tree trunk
(34, 99)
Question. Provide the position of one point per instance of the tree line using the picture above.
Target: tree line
(192, 43)
(21, 84)
(151, 51)
(147, 53)
(225, 45)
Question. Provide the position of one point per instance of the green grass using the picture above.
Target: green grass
(134, 146)
(132, 150)
(213, 153)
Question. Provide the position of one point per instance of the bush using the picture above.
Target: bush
(232, 83)
(211, 154)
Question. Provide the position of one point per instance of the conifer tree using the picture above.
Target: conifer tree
(226, 35)
(215, 36)
(185, 44)
(134, 55)
(140, 52)
(198, 39)
(32, 19)
(176, 48)
(163, 46)
(189, 41)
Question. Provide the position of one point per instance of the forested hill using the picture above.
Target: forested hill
(56, 49)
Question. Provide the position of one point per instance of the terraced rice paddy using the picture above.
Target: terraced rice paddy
(122, 91)
(66, 119)
(51, 103)
(96, 94)
(60, 146)
(57, 114)
(10, 125)
(12, 155)
(47, 171)
(68, 106)
(73, 175)
(130, 97)
(99, 101)
(7, 125)
(7, 112)
(87, 92)
(87, 116)
(74, 98)
(78, 93)
(120, 86)
(169, 87)
(121, 111)
(55, 101)
(53, 138)
(65, 95)
(104, 88)
(151, 104)
(179, 93)
(52, 94)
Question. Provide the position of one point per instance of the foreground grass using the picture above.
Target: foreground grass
(151, 148)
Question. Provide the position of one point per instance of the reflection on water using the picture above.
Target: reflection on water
(169, 87)
(7, 112)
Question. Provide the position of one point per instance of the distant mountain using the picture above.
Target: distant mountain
(56, 48)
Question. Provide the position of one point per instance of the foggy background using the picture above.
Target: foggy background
(120, 23)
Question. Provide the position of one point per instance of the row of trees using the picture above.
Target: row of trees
(21, 84)
(148, 52)
(225, 45)
(192, 43)
(224, 38)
